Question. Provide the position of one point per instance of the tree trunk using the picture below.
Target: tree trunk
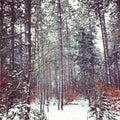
(1, 41)
(59, 12)
(12, 33)
(40, 53)
(56, 78)
(105, 45)
(117, 44)
(50, 80)
(28, 40)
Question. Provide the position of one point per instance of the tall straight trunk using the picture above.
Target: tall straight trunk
(21, 46)
(28, 40)
(59, 12)
(42, 55)
(50, 83)
(105, 45)
(68, 39)
(41, 97)
(2, 50)
(56, 77)
(41, 61)
(117, 45)
(116, 70)
(38, 57)
(47, 97)
(69, 61)
(12, 32)
(82, 49)
(92, 66)
(65, 77)
(68, 64)
(1, 41)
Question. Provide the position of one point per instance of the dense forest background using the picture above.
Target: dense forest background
(50, 48)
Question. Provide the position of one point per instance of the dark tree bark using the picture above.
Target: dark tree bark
(42, 57)
(59, 18)
(98, 7)
(105, 45)
(56, 77)
(1, 34)
(12, 33)
(117, 48)
(69, 59)
(28, 40)
(116, 45)
(49, 79)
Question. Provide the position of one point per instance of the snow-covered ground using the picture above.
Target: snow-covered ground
(77, 110)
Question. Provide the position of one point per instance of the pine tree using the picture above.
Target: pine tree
(86, 60)
(102, 108)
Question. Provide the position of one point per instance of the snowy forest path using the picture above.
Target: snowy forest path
(77, 111)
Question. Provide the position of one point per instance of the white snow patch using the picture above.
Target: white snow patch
(77, 110)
